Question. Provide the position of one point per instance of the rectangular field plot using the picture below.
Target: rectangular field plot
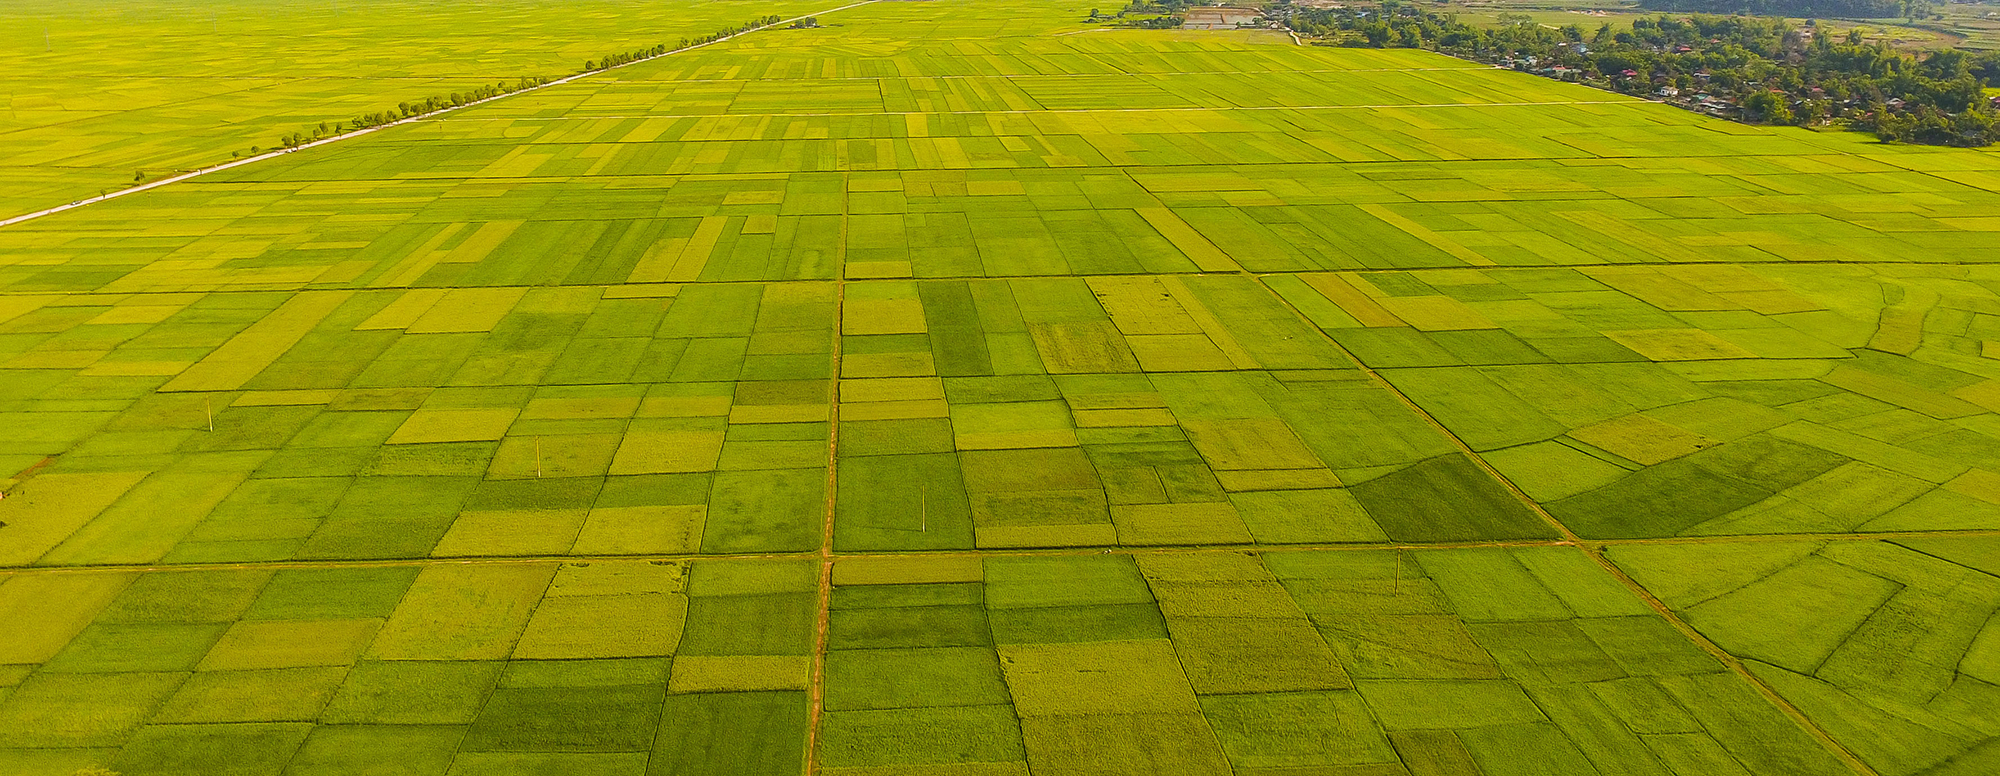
(1135, 411)
(400, 424)
(594, 230)
(1698, 400)
(1888, 645)
(579, 665)
(1215, 662)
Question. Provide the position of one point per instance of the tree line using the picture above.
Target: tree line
(1161, 14)
(1801, 9)
(436, 103)
(1756, 69)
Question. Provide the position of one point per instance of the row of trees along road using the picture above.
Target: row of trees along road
(432, 104)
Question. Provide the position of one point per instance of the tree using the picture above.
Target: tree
(1768, 106)
(1890, 128)
(1947, 64)
(1811, 113)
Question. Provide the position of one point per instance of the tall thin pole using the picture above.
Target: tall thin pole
(208, 407)
(924, 509)
(538, 458)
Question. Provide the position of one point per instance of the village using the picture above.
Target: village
(1749, 69)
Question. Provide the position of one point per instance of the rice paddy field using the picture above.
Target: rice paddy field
(1282, 411)
(99, 90)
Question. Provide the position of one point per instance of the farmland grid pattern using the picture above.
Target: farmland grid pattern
(595, 431)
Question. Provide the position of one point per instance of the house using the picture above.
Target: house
(1219, 18)
(1668, 92)
(1710, 105)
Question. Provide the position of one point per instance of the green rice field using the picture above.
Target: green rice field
(99, 90)
(1283, 411)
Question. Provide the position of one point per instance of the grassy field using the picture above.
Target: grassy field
(102, 89)
(1978, 22)
(1282, 410)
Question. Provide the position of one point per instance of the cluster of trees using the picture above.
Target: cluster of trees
(1932, 126)
(1161, 14)
(761, 21)
(1764, 70)
(406, 110)
(1141, 7)
(614, 60)
(423, 107)
(1802, 9)
(430, 104)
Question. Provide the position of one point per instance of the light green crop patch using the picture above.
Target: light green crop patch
(739, 673)
(456, 425)
(462, 613)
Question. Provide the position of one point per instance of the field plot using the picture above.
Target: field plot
(1701, 399)
(104, 88)
(950, 391)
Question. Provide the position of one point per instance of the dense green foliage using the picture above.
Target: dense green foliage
(1157, 14)
(1864, 9)
(1764, 70)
